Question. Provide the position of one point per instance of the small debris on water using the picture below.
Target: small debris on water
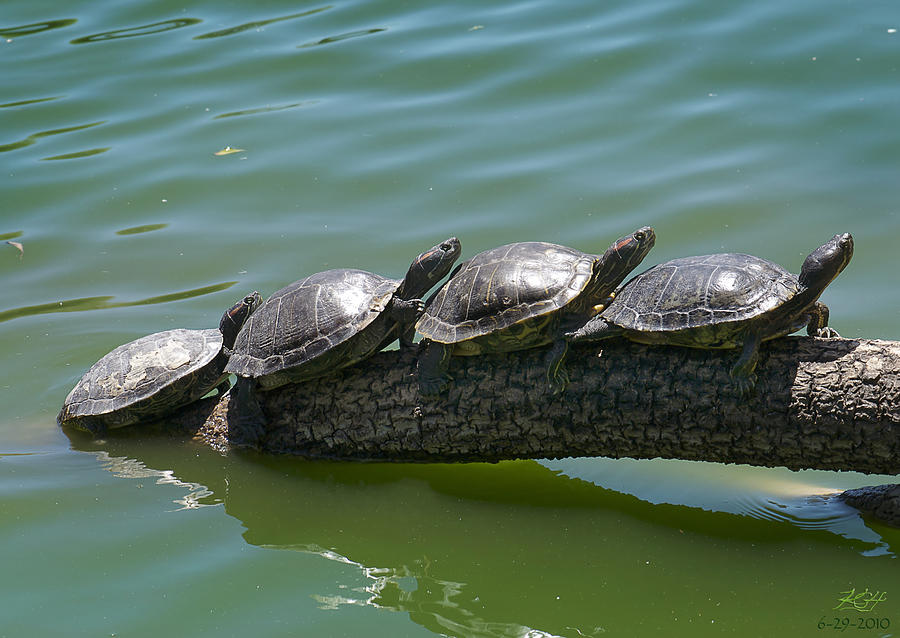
(228, 151)
(18, 247)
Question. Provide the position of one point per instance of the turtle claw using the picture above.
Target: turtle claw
(827, 333)
(406, 310)
(558, 382)
(744, 383)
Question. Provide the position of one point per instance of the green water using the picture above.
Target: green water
(369, 131)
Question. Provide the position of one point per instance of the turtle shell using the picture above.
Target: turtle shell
(146, 378)
(706, 292)
(315, 325)
(504, 286)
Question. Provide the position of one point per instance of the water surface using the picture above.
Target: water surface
(357, 134)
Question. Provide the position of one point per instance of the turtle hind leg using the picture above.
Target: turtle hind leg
(247, 421)
(818, 322)
(557, 376)
(743, 373)
(432, 366)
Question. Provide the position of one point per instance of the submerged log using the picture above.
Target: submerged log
(830, 404)
(881, 502)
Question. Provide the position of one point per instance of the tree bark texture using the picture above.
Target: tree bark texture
(830, 404)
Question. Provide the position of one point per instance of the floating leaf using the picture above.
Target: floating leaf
(228, 151)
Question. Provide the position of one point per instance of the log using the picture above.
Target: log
(830, 404)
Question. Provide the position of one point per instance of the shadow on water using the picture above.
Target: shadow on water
(133, 32)
(442, 543)
(37, 27)
(103, 303)
(260, 23)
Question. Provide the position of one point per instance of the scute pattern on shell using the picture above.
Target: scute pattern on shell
(503, 286)
(138, 371)
(305, 320)
(694, 292)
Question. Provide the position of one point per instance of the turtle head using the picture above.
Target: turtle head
(615, 264)
(235, 317)
(620, 259)
(826, 262)
(630, 250)
(429, 268)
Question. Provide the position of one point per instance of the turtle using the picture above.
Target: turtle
(519, 296)
(153, 376)
(726, 300)
(333, 319)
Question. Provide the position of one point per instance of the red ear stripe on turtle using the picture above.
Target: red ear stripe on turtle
(426, 255)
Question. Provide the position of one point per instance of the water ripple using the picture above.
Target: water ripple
(343, 36)
(103, 303)
(265, 109)
(133, 32)
(10, 105)
(146, 228)
(78, 154)
(37, 27)
(259, 24)
(34, 137)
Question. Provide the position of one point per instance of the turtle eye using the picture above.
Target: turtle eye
(639, 235)
(248, 300)
(446, 247)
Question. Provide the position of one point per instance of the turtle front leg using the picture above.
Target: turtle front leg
(557, 376)
(743, 373)
(433, 363)
(406, 312)
(597, 329)
(818, 322)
